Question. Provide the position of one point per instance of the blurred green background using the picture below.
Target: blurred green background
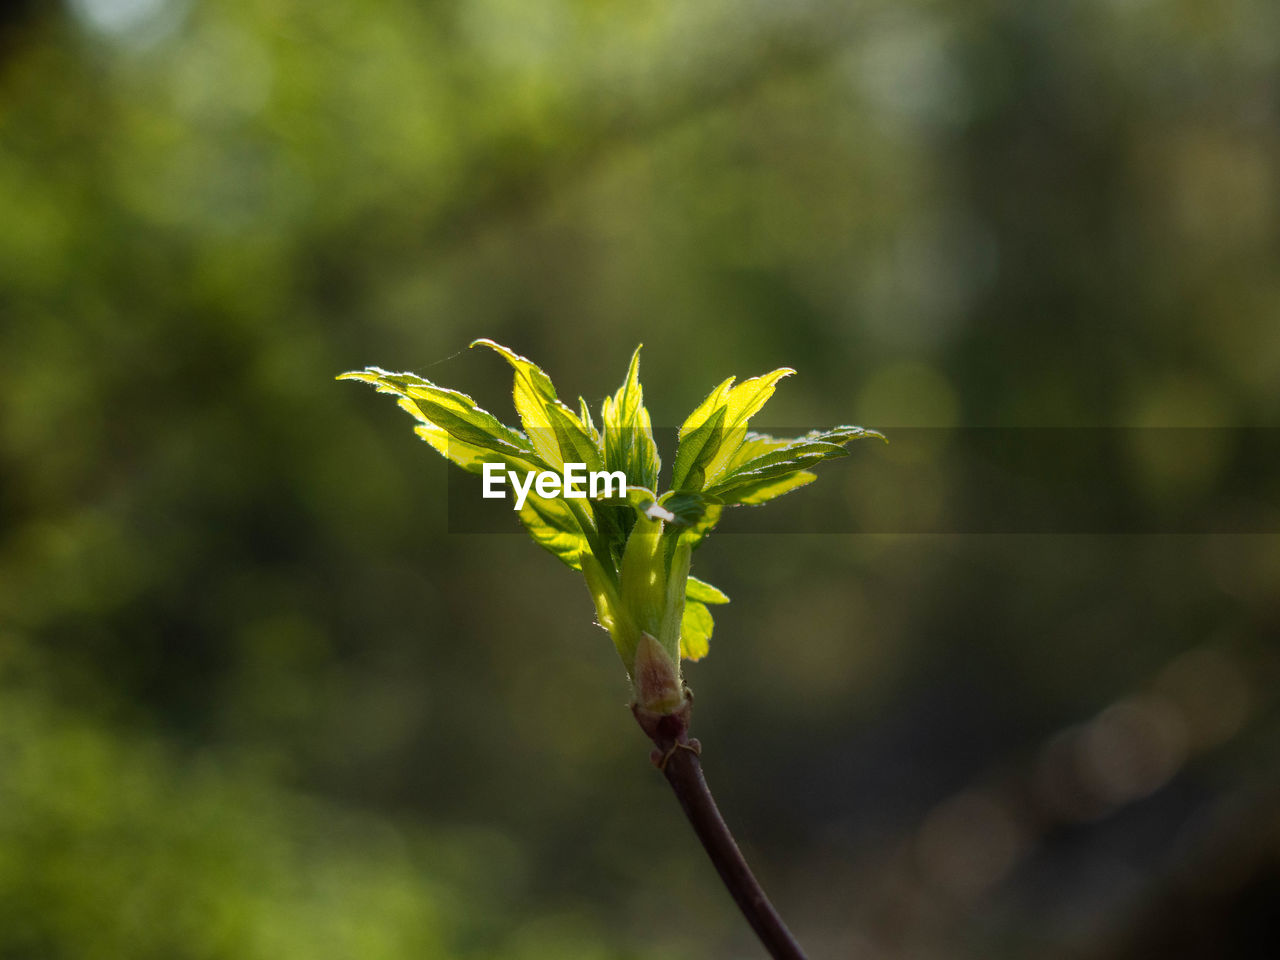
(256, 700)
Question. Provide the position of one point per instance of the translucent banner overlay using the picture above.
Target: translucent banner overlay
(1112, 480)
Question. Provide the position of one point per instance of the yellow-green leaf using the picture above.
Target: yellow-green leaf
(695, 631)
(704, 592)
(742, 403)
(762, 491)
(697, 449)
(575, 444)
(553, 527)
(584, 414)
(778, 463)
(450, 410)
(715, 400)
(628, 431)
(532, 391)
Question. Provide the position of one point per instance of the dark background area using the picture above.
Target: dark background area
(258, 700)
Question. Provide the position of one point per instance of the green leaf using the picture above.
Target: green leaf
(778, 462)
(715, 400)
(584, 414)
(700, 437)
(746, 399)
(630, 396)
(695, 630)
(755, 445)
(616, 515)
(575, 443)
(705, 450)
(553, 527)
(779, 455)
(695, 513)
(697, 448)
(646, 464)
(544, 417)
(704, 592)
(844, 434)
(449, 410)
(628, 431)
(466, 455)
(755, 492)
(685, 509)
(742, 403)
(635, 498)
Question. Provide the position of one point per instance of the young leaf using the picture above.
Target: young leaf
(742, 403)
(755, 492)
(759, 451)
(628, 431)
(746, 399)
(844, 434)
(754, 445)
(451, 411)
(697, 448)
(584, 414)
(706, 452)
(695, 630)
(778, 462)
(536, 403)
(634, 498)
(715, 400)
(466, 455)
(685, 509)
(575, 443)
(695, 511)
(704, 592)
(554, 528)
(646, 464)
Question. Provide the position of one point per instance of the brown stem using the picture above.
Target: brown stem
(677, 756)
